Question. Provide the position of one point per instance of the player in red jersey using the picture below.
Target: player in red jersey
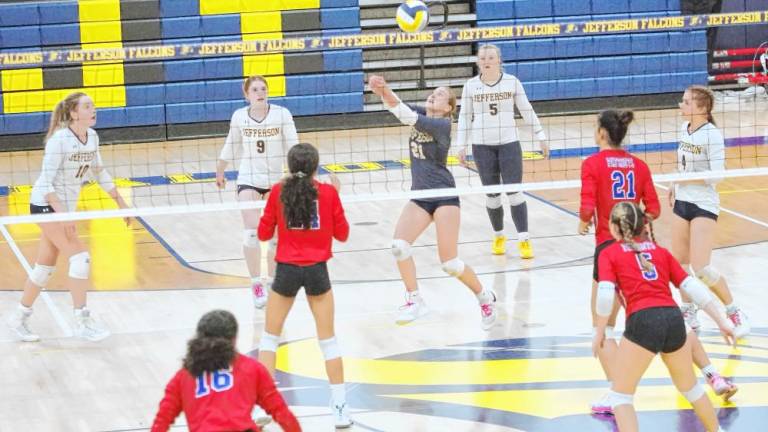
(218, 387)
(610, 176)
(607, 177)
(641, 272)
(307, 215)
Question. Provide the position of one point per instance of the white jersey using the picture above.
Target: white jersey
(488, 112)
(262, 145)
(700, 151)
(67, 164)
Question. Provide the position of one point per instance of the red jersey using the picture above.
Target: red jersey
(641, 289)
(299, 246)
(611, 176)
(223, 400)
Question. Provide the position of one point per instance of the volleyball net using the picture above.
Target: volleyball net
(570, 69)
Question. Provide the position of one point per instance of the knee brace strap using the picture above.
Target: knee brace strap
(516, 198)
(80, 265)
(493, 201)
(454, 267)
(268, 342)
(401, 249)
(251, 238)
(41, 274)
(694, 394)
(330, 348)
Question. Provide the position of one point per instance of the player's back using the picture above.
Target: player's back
(612, 176)
(641, 288)
(223, 400)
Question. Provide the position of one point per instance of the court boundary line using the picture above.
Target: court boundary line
(57, 315)
(729, 211)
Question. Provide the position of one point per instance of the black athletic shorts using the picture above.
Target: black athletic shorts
(261, 191)
(432, 206)
(690, 211)
(290, 278)
(36, 209)
(657, 329)
(599, 248)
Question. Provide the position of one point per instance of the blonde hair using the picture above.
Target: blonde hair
(491, 47)
(630, 221)
(248, 81)
(62, 113)
(704, 98)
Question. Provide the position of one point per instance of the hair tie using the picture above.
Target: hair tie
(299, 174)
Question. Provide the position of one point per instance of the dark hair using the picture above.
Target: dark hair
(704, 98)
(299, 193)
(213, 347)
(615, 122)
(630, 220)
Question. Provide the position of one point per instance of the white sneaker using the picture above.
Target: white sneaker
(87, 328)
(413, 308)
(18, 322)
(259, 295)
(689, 315)
(341, 416)
(740, 323)
(260, 417)
(488, 312)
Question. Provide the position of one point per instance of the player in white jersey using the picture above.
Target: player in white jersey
(261, 134)
(71, 158)
(487, 121)
(697, 203)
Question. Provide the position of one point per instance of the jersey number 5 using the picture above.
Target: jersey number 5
(651, 274)
(220, 380)
(493, 109)
(623, 185)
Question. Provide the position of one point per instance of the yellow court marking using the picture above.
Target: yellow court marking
(304, 358)
(734, 191)
(552, 403)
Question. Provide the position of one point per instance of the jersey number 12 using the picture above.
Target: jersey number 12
(623, 185)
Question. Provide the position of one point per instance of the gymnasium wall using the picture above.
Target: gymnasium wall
(597, 66)
(176, 91)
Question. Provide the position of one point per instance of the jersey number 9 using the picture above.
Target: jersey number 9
(261, 146)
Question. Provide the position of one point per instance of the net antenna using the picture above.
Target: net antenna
(422, 48)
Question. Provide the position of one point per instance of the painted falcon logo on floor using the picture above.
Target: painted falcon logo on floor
(537, 384)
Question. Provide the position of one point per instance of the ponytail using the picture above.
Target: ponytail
(630, 221)
(298, 193)
(213, 347)
(615, 123)
(62, 113)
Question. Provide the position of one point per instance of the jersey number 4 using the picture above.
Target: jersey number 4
(623, 185)
(218, 381)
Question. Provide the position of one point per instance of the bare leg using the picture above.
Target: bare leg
(47, 254)
(322, 309)
(413, 221)
(278, 307)
(632, 360)
(447, 222)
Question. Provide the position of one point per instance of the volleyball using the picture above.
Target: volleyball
(412, 16)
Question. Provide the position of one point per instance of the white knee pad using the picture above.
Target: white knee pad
(251, 238)
(268, 342)
(694, 394)
(516, 198)
(493, 201)
(41, 274)
(615, 399)
(709, 275)
(330, 348)
(401, 249)
(454, 267)
(80, 265)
